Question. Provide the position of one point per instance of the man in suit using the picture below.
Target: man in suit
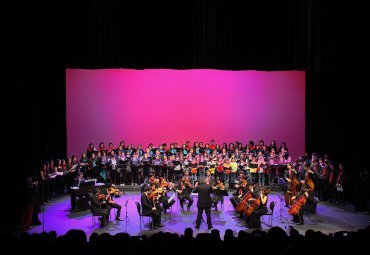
(149, 208)
(96, 207)
(79, 179)
(204, 191)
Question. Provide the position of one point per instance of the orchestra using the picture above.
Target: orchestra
(170, 174)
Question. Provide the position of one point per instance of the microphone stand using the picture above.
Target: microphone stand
(126, 216)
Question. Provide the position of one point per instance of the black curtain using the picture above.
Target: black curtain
(336, 119)
(35, 115)
(328, 39)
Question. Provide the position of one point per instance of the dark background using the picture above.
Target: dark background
(328, 39)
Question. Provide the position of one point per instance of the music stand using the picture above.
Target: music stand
(170, 214)
(169, 218)
(282, 218)
(126, 218)
(87, 183)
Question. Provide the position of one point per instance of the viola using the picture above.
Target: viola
(101, 196)
(219, 186)
(115, 192)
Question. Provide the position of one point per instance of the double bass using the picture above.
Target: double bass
(308, 186)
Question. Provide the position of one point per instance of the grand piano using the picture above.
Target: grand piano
(80, 196)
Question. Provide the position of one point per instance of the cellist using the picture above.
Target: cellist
(307, 190)
(254, 218)
(240, 189)
(294, 185)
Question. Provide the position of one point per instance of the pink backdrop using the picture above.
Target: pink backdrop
(144, 106)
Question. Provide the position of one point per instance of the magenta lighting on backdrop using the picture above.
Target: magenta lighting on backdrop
(161, 105)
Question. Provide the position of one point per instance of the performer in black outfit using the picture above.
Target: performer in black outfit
(254, 219)
(240, 189)
(218, 186)
(307, 190)
(111, 204)
(96, 206)
(184, 188)
(204, 202)
(79, 179)
(149, 208)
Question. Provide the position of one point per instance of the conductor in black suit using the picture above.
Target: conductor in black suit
(204, 202)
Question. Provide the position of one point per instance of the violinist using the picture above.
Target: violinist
(111, 204)
(217, 196)
(157, 194)
(260, 208)
(184, 188)
(97, 206)
(167, 201)
(304, 201)
(149, 208)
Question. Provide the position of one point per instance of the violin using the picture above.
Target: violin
(101, 196)
(115, 192)
(187, 183)
(220, 186)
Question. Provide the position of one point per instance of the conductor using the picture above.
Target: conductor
(204, 202)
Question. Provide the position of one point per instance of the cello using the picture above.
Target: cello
(308, 186)
(244, 199)
(295, 186)
(255, 203)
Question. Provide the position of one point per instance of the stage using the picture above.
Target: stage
(328, 219)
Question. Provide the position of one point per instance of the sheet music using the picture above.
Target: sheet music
(172, 197)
